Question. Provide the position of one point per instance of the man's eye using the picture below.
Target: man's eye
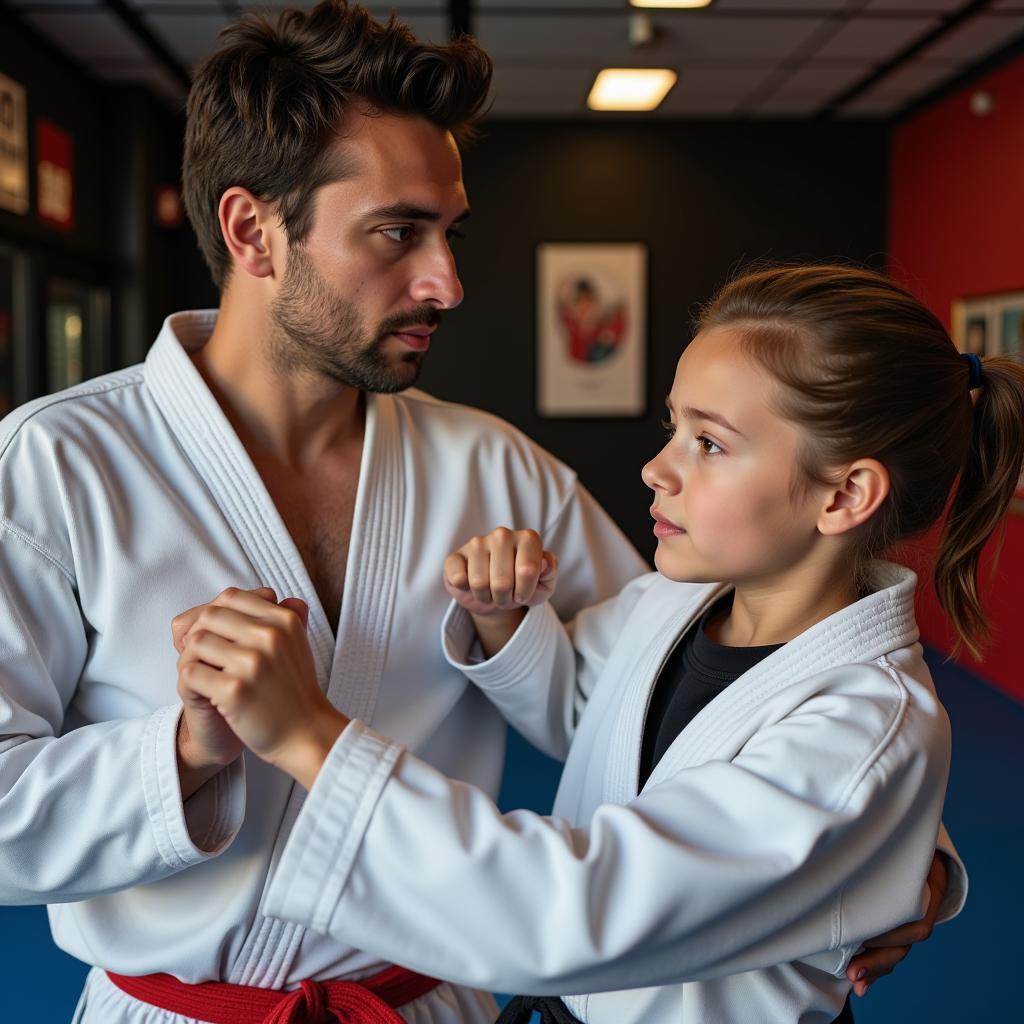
(399, 234)
(455, 233)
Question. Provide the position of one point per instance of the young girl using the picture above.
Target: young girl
(758, 757)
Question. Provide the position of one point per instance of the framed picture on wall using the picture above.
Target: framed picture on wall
(992, 325)
(592, 329)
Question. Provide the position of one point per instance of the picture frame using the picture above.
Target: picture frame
(990, 325)
(592, 329)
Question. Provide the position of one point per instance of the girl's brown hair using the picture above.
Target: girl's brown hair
(867, 371)
(265, 107)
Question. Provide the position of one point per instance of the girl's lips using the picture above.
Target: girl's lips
(662, 529)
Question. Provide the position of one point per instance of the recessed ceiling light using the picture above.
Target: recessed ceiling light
(630, 88)
(671, 3)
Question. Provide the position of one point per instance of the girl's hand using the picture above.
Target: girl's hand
(882, 953)
(502, 572)
(496, 578)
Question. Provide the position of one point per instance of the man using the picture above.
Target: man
(268, 446)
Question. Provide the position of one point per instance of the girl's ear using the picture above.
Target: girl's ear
(860, 491)
(249, 231)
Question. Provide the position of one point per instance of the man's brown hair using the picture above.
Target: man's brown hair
(265, 107)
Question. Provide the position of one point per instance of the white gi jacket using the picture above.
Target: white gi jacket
(795, 816)
(126, 500)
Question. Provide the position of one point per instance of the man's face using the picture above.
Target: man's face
(362, 294)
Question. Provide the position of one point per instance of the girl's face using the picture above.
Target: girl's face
(724, 503)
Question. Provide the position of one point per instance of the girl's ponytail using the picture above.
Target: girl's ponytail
(995, 460)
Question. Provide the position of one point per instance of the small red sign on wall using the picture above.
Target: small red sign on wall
(55, 166)
(168, 206)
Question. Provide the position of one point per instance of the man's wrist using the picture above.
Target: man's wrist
(195, 768)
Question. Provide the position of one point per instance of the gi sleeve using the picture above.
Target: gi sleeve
(98, 809)
(816, 836)
(541, 679)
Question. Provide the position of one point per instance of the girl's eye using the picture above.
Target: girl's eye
(669, 428)
(399, 234)
(707, 446)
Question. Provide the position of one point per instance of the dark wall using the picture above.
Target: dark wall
(58, 90)
(704, 197)
(126, 142)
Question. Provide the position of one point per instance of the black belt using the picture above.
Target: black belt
(553, 1011)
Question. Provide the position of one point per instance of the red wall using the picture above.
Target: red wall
(956, 228)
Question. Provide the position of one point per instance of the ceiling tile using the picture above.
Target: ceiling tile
(872, 106)
(190, 36)
(923, 6)
(824, 79)
(787, 106)
(605, 39)
(812, 83)
(548, 90)
(146, 73)
(87, 35)
(533, 5)
(687, 105)
(174, 6)
(876, 39)
(977, 38)
(27, 5)
(917, 78)
(803, 6)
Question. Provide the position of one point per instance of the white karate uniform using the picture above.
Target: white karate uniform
(125, 501)
(794, 816)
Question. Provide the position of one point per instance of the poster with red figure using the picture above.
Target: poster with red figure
(591, 329)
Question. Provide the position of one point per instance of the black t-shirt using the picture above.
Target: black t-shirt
(694, 674)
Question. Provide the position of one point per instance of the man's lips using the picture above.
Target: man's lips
(417, 338)
(664, 527)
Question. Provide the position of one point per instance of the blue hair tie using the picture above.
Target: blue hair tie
(977, 377)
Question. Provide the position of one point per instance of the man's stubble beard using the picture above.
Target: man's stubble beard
(318, 332)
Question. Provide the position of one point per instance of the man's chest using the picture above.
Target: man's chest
(317, 512)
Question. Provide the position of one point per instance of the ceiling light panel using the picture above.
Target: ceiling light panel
(630, 88)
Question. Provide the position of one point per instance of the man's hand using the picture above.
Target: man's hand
(496, 578)
(884, 952)
(206, 743)
(249, 660)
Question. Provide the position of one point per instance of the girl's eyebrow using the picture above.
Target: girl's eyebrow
(702, 414)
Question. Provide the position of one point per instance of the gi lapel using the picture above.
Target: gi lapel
(861, 633)
(662, 625)
(220, 459)
(372, 570)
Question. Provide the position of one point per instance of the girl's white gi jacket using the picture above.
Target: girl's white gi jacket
(795, 816)
(125, 501)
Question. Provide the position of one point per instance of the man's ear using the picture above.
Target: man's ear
(250, 231)
(855, 498)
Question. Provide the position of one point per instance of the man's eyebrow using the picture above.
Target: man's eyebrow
(407, 211)
(702, 414)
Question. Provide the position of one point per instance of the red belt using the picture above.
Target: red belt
(369, 1001)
